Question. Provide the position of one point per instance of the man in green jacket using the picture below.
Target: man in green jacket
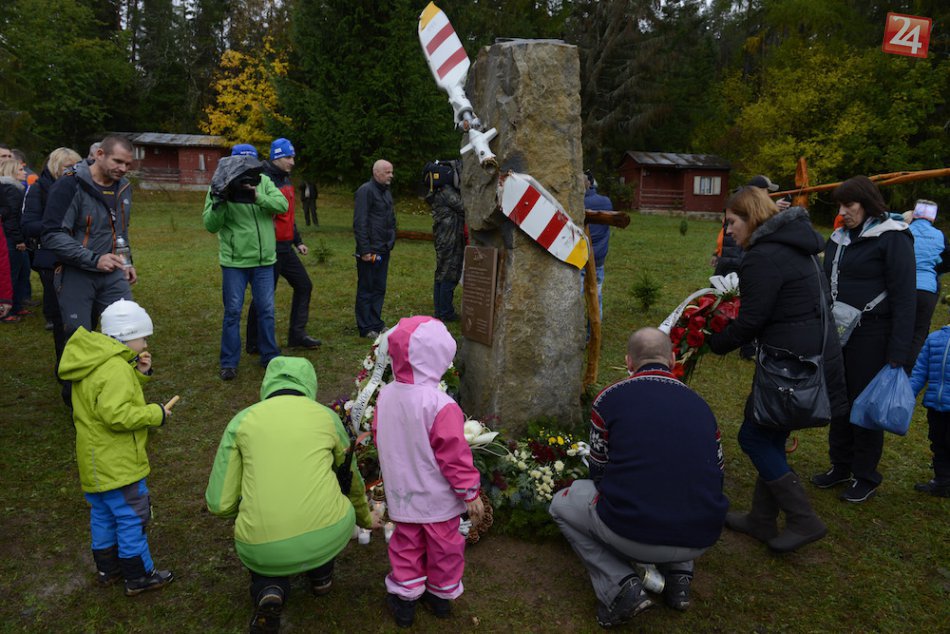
(276, 471)
(240, 207)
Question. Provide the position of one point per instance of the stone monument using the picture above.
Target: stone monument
(529, 90)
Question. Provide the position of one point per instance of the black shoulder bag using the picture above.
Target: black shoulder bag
(789, 390)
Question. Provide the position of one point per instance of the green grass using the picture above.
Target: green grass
(885, 565)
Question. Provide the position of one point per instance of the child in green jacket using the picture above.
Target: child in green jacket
(112, 421)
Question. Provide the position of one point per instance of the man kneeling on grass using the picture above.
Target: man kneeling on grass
(655, 493)
(283, 469)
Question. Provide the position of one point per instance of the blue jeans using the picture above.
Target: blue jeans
(234, 283)
(370, 293)
(119, 517)
(765, 448)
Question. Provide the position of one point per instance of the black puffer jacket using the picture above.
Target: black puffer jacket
(11, 206)
(879, 256)
(779, 286)
(32, 219)
(448, 222)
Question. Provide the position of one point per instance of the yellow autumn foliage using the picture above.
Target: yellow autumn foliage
(245, 96)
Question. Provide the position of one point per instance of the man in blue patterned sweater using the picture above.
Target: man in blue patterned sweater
(655, 493)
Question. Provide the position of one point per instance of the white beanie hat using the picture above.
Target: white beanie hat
(125, 320)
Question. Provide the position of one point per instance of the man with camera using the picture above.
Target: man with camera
(288, 265)
(240, 207)
(374, 227)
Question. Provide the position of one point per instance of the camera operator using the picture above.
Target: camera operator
(240, 207)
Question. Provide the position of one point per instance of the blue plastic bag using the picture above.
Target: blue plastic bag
(887, 403)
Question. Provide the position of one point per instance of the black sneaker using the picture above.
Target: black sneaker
(441, 608)
(307, 342)
(830, 478)
(266, 619)
(155, 580)
(631, 601)
(859, 491)
(228, 374)
(402, 610)
(676, 590)
(941, 490)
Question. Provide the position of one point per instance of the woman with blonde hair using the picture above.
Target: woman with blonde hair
(12, 176)
(782, 290)
(44, 262)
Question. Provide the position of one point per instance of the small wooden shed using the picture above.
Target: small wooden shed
(176, 161)
(676, 182)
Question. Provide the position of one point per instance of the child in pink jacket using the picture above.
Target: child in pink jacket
(427, 470)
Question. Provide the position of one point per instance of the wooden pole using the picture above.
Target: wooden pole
(893, 178)
(593, 315)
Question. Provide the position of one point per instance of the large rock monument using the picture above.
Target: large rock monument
(529, 90)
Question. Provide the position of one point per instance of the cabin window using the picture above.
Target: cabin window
(201, 163)
(707, 185)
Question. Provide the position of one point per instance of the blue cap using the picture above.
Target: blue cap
(281, 148)
(244, 149)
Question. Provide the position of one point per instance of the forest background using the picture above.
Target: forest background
(759, 82)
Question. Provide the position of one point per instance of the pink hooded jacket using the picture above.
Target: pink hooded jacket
(426, 462)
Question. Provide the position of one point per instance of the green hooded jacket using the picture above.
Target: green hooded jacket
(246, 230)
(275, 469)
(109, 411)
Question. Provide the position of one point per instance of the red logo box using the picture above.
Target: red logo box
(906, 35)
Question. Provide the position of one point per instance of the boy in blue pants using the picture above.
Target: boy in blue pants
(933, 370)
(112, 421)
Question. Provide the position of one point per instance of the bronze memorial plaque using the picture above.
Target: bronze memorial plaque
(479, 277)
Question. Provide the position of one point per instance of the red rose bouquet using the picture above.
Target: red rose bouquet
(703, 313)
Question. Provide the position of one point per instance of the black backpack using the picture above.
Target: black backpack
(439, 173)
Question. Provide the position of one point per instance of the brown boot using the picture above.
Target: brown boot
(802, 525)
(759, 522)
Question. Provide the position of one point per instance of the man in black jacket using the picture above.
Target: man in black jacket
(374, 227)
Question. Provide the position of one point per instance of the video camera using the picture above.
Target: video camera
(439, 173)
(243, 189)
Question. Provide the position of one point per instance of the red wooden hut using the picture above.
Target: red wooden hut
(676, 182)
(176, 161)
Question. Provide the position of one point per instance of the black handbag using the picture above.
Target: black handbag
(788, 389)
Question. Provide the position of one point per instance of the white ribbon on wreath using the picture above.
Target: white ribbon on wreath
(720, 285)
(362, 400)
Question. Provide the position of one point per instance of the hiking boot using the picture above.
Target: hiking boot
(108, 570)
(404, 611)
(266, 619)
(938, 489)
(631, 601)
(321, 587)
(830, 478)
(228, 374)
(155, 580)
(441, 608)
(859, 491)
(676, 590)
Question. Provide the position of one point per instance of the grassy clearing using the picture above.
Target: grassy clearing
(883, 567)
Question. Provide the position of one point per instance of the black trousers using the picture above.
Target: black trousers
(291, 269)
(939, 434)
(260, 582)
(926, 303)
(370, 293)
(310, 210)
(51, 312)
(852, 448)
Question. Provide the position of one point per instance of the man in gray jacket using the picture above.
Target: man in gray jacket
(86, 217)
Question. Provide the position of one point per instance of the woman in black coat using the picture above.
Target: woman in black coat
(875, 255)
(32, 223)
(11, 206)
(782, 289)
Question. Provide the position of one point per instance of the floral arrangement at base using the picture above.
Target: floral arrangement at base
(518, 477)
(703, 313)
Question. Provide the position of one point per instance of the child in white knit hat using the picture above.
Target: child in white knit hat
(112, 421)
